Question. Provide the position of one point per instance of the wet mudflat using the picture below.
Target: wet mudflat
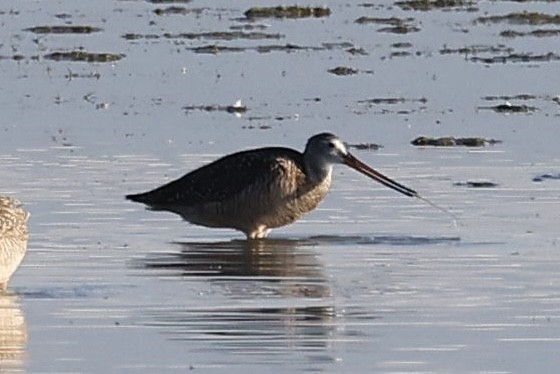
(141, 92)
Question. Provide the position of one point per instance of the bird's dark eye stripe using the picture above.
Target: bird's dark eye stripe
(331, 145)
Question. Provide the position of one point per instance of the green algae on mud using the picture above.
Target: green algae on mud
(65, 29)
(83, 56)
(450, 141)
(287, 12)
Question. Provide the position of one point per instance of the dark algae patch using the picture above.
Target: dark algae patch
(394, 25)
(394, 21)
(213, 35)
(426, 5)
(510, 97)
(543, 177)
(499, 54)
(476, 49)
(174, 10)
(510, 108)
(18, 57)
(71, 75)
(343, 70)
(63, 29)
(215, 49)
(284, 48)
(541, 33)
(392, 100)
(519, 97)
(365, 146)
(235, 108)
(287, 12)
(401, 104)
(83, 56)
(449, 141)
(517, 57)
(357, 51)
(523, 18)
(476, 184)
(225, 35)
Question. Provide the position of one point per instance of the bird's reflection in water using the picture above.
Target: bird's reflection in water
(13, 334)
(277, 297)
(237, 258)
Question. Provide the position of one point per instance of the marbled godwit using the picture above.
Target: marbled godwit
(257, 190)
(13, 237)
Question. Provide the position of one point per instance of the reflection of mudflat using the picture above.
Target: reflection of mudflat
(13, 334)
(278, 297)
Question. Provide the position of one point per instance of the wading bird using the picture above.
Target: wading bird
(257, 190)
(13, 237)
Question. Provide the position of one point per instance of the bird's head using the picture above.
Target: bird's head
(326, 149)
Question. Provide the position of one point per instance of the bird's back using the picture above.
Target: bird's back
(222, 179)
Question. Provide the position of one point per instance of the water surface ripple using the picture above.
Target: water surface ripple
(101, 99)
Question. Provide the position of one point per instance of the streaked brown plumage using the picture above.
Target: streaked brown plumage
(257, 190)
(13, 237)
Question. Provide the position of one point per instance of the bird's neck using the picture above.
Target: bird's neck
(317, 171)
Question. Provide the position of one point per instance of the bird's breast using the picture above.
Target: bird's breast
(306, 196)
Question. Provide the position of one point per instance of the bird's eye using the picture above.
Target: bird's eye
(331, 145)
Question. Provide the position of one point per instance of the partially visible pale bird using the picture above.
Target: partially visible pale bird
(257, 190)
(13, 237)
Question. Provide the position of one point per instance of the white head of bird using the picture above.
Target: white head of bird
(321, 153)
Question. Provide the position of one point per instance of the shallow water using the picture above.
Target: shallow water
(369, 282)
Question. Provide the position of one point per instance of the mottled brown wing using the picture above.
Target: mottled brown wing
(222, 179)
